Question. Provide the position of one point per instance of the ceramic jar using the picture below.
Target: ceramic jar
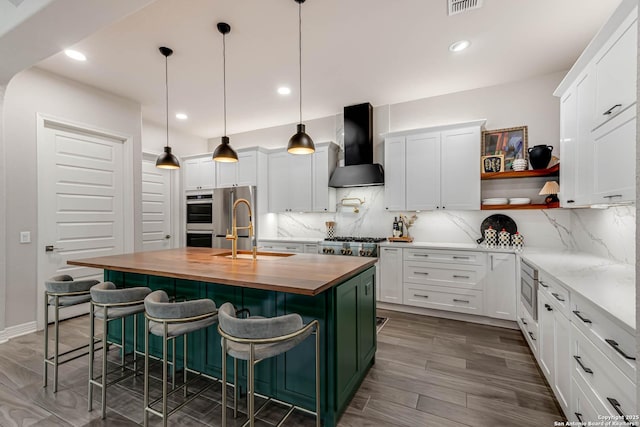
(504, 239)
(539, 156)
(518, 242)
(490, 237)
(331, 230)
(519, 165)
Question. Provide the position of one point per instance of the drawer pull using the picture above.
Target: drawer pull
(548, 307)
(421, 296)
(584, 319)
(542, 284)
(610, 110)
(557, 296)
(584, 368)
(422, 273)
(466, 301)
(616, 405)
(612, 196)
(531, 335)
(291, 247)
(460, 257)
(617, 348)
(579, 417)
(524, 322)
(457, 276)
(422, 255)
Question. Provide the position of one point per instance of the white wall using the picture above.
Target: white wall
(35, 91)
(3, 215)
(154, 139)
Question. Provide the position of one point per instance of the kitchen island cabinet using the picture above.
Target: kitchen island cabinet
(337, 291)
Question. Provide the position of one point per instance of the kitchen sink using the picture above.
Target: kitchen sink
(259, 255)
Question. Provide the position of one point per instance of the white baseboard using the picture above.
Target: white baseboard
(473, 318)
(16, 331)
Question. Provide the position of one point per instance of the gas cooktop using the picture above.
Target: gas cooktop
(355, 239)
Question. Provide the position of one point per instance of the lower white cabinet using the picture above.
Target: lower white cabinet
(390, 275)
(282, 246)
(500, 286)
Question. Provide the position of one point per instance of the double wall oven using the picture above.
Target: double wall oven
(200, 220)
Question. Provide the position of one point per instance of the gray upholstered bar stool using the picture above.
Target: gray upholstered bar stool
(60, 292)
(171, 320)
(108, 304)
(257, 338)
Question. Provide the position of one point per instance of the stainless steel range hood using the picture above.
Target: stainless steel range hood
(359, 169)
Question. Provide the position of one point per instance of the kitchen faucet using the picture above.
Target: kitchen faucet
(234, 229)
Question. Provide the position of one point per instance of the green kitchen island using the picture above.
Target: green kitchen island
(338, 291)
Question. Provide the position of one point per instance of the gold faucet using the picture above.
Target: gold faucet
(234, 230)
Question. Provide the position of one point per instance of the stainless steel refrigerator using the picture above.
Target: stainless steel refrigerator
(223, 200)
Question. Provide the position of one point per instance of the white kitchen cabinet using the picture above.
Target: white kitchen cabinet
(391, 275)
(434, 168)
(500, 286)
(243, 172)
(310, 248)
(281, 246)
(293, 186)
(615, 71)
(546, 349)
(199, 173)
(568, 141)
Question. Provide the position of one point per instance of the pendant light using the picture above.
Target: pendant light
(300, 143)
(167, 160)
(224, 152)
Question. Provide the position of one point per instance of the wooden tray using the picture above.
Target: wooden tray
(400, 239)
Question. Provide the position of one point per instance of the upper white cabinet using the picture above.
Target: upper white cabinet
(435, 168)
(298, 183)
(598, 116)
(243, 172)
(199, 173)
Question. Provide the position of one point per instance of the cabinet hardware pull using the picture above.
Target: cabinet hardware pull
(616, 405)
(531, 335)
(524, 322)
(460, 257)
(291, 247)
(461, 300)
(542, 284)
(491, 258)
(422, 255)
(584, 319)
(571, 201)
(457, 276)
(610, 110)
(616, 347)
(421, 296)
(51, 248)
(548, 307)
(584, 368)
(422, 273)
(579, 417)
(612, 196)
(390, 249)
(557, 296)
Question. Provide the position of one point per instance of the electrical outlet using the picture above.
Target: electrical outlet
(25, 237)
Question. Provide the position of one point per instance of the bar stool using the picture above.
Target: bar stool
(256, 338)
(171, 320)
(113, 304)
(60, 292)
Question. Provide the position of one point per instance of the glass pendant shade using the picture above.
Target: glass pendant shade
(224, 152)
(167, 160)
(301, 143)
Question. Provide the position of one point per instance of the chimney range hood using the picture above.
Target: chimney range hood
(359, 169)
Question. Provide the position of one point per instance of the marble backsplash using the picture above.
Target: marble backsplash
(609, 232)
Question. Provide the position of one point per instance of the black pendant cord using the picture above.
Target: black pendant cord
(300, 53)
(166, 87)
(224, 81)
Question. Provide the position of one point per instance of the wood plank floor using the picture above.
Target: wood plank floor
(428, 372)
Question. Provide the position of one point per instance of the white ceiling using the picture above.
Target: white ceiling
(380, 51)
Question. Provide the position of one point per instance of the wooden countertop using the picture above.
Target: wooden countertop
(305, 274)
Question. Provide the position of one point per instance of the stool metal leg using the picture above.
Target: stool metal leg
(103, 378)
(135, 343)
(317, 375)
(173, 364)
(224, 382)
(165, 359)
(124, 345)
(56, 335)
(184, 364)
(46, 338)
(91, 350)
(251, 371)
(146, 371)
(236, 387)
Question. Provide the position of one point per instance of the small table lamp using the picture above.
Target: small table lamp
(550, 189)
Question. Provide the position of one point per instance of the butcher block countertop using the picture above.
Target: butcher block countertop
(304, 274)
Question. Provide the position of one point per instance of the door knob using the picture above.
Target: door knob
(51, 248)
(168, 236)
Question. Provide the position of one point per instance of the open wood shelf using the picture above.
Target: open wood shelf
(552, 171)
(514, 207)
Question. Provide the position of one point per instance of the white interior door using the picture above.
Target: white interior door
(80, 202)
(156, 205)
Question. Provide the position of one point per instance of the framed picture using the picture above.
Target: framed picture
(511, 143)
(494, 163)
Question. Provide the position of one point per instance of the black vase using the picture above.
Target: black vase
(539, 156)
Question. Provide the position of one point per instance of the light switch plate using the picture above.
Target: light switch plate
(25, 237)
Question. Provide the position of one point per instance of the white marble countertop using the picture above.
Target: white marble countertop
(291, 239)
(607, 284)
(444, 245)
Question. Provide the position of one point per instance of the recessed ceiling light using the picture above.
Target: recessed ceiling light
(181, 116)
(74, 54)
(459, 45)
(283, 90)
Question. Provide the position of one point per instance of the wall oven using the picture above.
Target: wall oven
(200, 212)
(529, 289)
(199, 240)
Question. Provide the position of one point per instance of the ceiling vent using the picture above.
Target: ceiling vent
(459, 6)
